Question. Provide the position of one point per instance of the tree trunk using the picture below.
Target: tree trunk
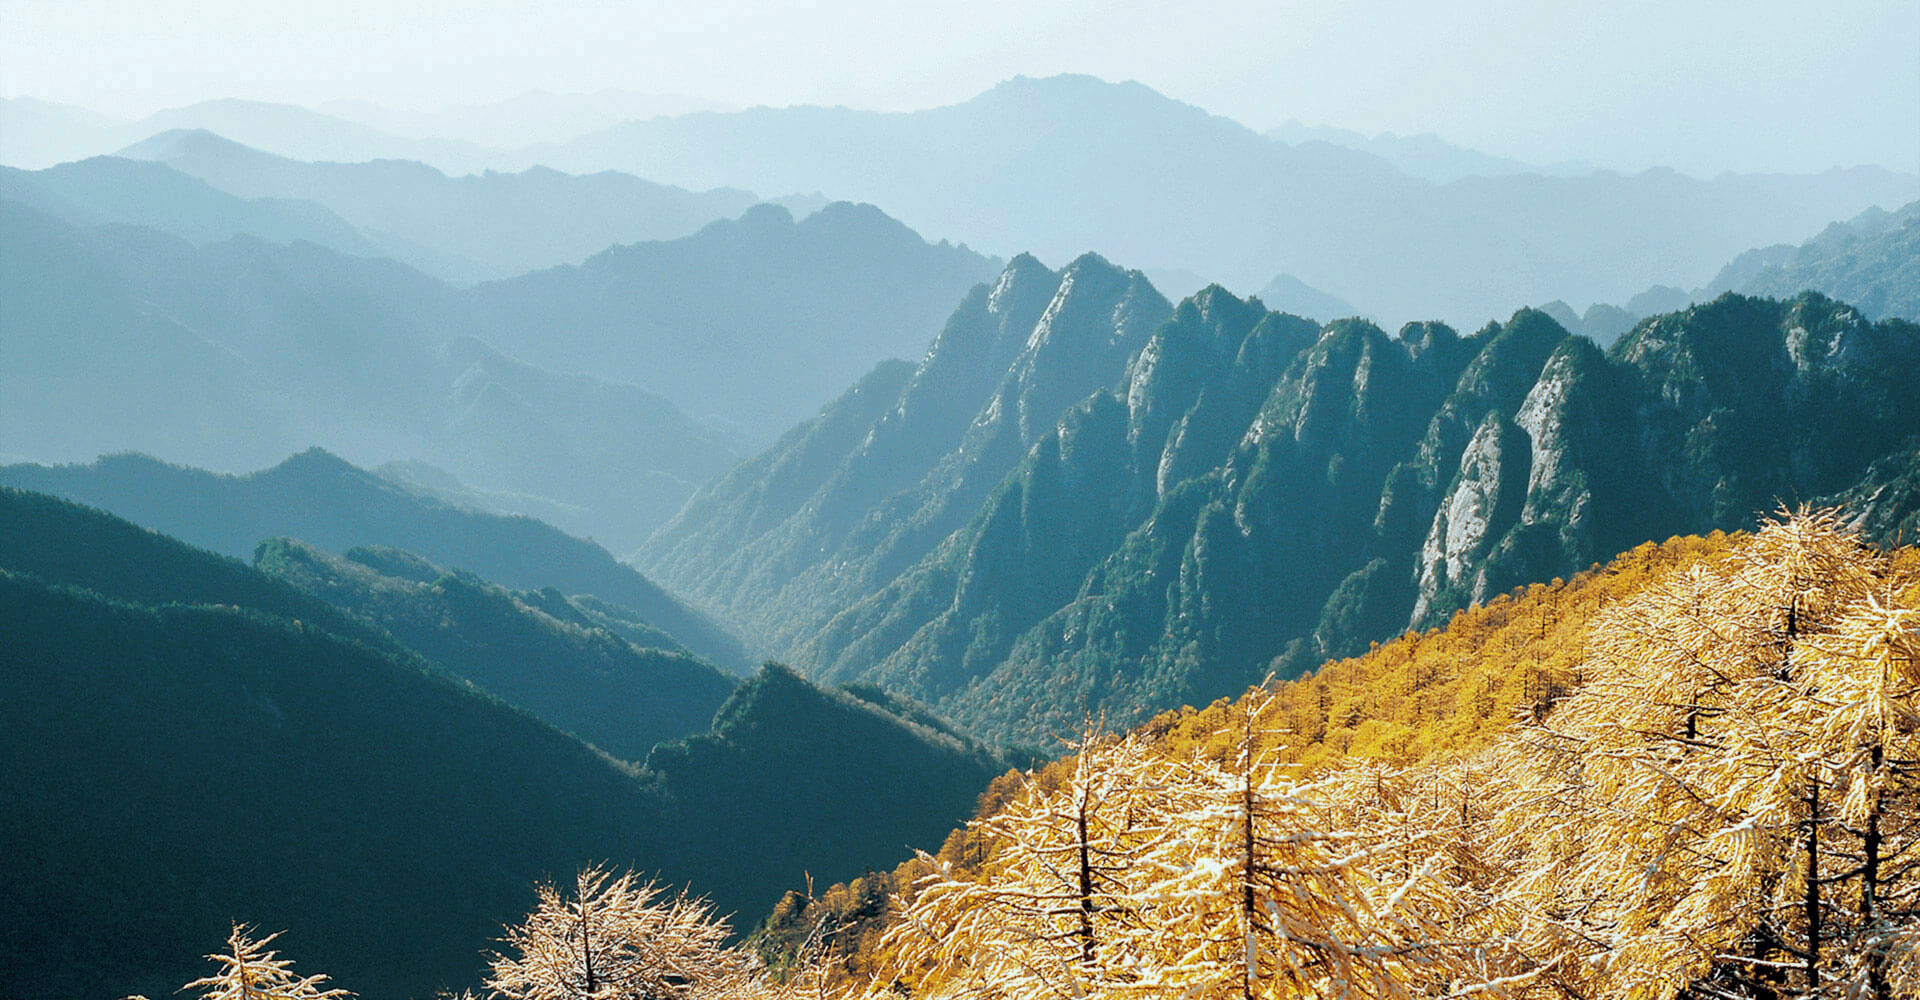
(1086, 885)
(1877, 985)
(1813, 891)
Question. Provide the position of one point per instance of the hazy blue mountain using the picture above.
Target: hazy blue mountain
(109, 189)
(84, 361)
(539, 651)
(186, 742)
(1601, 323)
(320, 499)
(1233, 490)
(480, 226)
(36, 134)
(1426, 156)
(1288, 294)
(304, 134)
(1659, 299)
(1062, 165)
(290, 345)
(751, 323)
(533, 117)
(1871, 261)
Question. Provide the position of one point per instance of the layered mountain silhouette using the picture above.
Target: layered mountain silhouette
(1871, 261)
(1087, 500)
(107, 189)
(535, 116)
(36, 134)
(753, 323)
(475, 227)
(238, 352)
(1059, 165)
(290, 342)
(187, 741)
(322, 500)
(1425, 155)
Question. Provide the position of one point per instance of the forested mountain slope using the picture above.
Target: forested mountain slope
(186, 742)
(1683, 774)
(1442, 692)
(319, 498)
(1204, 495)
(538, 650)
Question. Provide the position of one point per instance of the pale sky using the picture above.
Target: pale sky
(1702, 86)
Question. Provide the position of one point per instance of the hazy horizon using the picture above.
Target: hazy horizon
(1706, 89)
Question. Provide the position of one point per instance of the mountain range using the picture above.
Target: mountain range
(36, 134)
(475, 227)
(1871, 261)
(1085, 499)
(1405, 228)
(296, 334)
(1063, 165)
(187, 741)
(1426, 156)
(322, 500)
(750, 324)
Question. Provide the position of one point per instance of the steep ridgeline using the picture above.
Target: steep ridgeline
(847, 502)
(186, 742)
(1247, 491)
(540, 651)
(753, 323)
(320, 499)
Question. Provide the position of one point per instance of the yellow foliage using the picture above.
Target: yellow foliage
(1695, 769)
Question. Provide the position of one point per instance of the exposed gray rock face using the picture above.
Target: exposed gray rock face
(1235, 491)
(1486, 496)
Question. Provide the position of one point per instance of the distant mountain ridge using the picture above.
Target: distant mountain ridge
(1426, 155)
(36, 134)
(1228, 490)
(1061, 165)
(752, 323)
(108, 189)
(294, 344)
(319, 498)
(1871, 261)
(479, 227)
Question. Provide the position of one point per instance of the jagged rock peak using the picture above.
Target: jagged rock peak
(1022, 274)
